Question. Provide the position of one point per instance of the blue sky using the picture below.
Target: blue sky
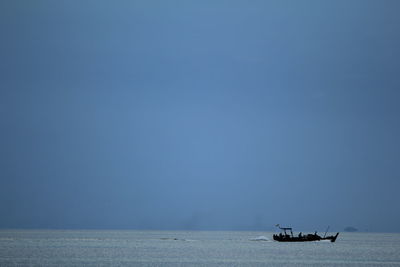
(199, 114)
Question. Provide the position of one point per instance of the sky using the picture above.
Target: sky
(200, 115)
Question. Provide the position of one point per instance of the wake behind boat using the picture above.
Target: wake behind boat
(284, 236)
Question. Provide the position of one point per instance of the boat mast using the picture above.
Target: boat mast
(326, 231)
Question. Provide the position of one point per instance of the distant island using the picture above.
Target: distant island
(350, 229)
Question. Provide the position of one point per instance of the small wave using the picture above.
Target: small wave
(325, 241)
(7, 239)
(177, 239)
(260, 238)
(168, 238)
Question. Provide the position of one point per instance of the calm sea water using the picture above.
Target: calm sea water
(190, 248)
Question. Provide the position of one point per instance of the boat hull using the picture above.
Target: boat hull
(305, 238)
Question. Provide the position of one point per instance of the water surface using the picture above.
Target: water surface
(190, 248)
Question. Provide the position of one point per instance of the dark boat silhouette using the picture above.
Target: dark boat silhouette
(284, 236)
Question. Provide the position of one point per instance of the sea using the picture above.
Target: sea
(191, 248)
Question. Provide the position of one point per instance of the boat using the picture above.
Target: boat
(286, 235)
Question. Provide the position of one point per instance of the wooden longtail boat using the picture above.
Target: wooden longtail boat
(287, 236)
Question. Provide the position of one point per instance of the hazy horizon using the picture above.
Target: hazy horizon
(200, 114)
